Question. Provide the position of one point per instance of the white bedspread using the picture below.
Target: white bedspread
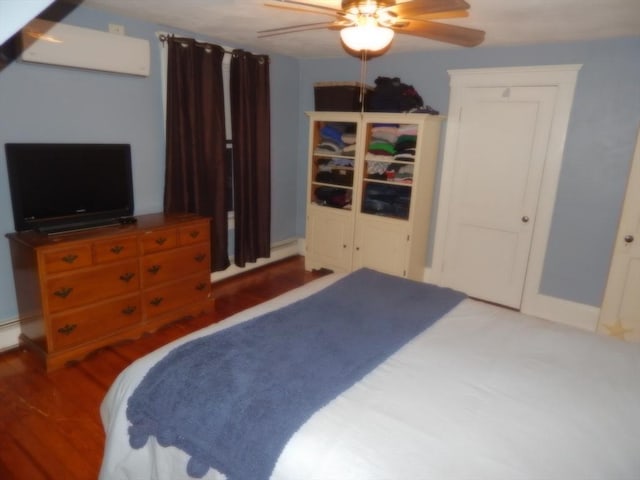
(485, 393)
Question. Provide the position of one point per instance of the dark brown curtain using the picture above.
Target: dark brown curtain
(250, 120)
(195, 157)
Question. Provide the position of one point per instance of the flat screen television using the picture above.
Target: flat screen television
(58, 187)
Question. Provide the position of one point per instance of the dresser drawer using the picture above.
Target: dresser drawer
(84, 324)
(114, 249)
(158, 240)
(92, 285)
(194, 233)
(67, 259)
(167, 266)
(179, 294)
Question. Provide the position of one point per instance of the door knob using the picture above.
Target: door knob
(628, 238)
(525, 219)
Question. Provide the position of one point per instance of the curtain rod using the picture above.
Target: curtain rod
(163, 38)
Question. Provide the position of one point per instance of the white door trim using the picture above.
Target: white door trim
(619, 314)
(563, 77)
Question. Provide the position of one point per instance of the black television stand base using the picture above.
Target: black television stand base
(76, 227)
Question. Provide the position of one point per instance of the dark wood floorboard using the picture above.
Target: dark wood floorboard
(49, 422)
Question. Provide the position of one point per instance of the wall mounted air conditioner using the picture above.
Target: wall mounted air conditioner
(71, 46)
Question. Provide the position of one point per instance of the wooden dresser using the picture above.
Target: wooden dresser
(80, 291)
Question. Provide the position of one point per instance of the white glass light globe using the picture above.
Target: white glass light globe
(366, 37)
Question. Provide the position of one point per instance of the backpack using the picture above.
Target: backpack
(391, 95)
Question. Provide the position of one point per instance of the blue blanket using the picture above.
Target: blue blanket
(233, 399)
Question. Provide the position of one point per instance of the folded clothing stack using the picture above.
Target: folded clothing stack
(389, 200)
(338, 138)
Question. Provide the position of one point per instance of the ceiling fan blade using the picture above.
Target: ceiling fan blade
(302, 7)
(293, 8)
(404, 21)
(442, 32)
(442, 15)
(417, 8)
(272, 32)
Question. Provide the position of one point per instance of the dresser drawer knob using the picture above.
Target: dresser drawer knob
(194, 233)
(63, 292)
(201, 286)
(161, 240)
(67, 329)
(116, 249)
(126, 277)
(129, 310)
(70, 258)
(200, 257)
(153, 269)
(156, 301)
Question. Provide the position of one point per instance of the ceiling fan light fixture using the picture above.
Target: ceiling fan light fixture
(368, 37)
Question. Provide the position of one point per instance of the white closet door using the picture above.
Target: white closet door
(498, 166)
(620, 312)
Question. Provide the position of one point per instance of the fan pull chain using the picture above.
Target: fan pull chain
(363, 77)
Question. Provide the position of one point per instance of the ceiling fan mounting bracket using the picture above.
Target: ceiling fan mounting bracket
(365, 6)
(367, 12)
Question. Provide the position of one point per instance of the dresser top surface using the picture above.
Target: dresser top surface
(143, 223)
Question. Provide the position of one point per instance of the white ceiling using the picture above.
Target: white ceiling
(506, 22)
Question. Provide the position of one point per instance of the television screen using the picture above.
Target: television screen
(57, 187)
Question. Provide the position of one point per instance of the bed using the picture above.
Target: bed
(483, 393)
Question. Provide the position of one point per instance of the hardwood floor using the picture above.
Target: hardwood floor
(49, 422)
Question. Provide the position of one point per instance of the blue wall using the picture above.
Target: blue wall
(599, 144)
(41, 103)
(50, 104)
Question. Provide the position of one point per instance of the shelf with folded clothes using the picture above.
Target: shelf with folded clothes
(336, 139)
(333, 161)
(338, 177)
(345, 151)
(332, 171)
(386, 199)
(397, 141)
(388, 171)
(405, 182)
(323, 154)
(376, 157)
(331, 196)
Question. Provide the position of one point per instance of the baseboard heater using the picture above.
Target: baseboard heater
(70, 46)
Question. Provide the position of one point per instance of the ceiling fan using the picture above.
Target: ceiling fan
(369, 25)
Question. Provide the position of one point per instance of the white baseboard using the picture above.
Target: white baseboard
(558, 310)
(9, 333)
(570, 313)
(279, 251)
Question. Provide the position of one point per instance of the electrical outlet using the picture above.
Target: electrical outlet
(117, 29)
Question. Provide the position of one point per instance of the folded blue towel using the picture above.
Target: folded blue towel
(233, 399)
